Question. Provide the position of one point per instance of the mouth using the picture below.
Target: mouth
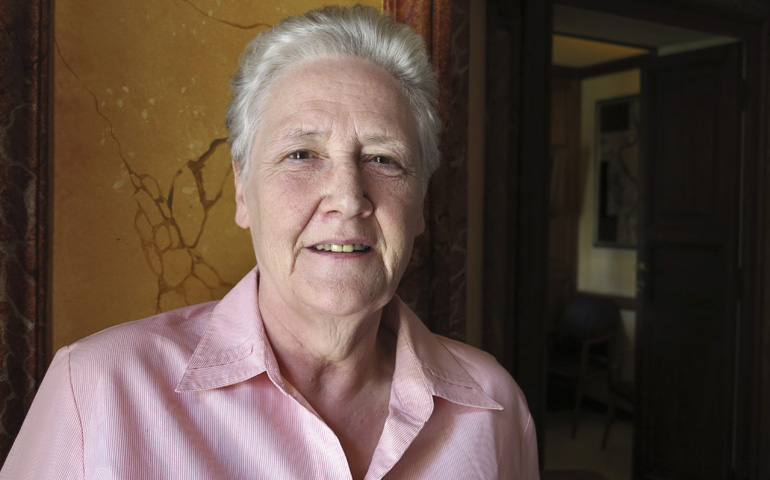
(335, 248)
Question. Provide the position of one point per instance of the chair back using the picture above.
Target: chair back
(586, 317)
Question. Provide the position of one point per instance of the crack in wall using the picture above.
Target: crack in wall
(18, 215)
(11, 207)
(227, 22)
(164, 245)
(12, 247)
(5, 128)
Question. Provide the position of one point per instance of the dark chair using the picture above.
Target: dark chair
(579, 345)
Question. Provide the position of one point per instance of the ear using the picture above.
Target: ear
(241, 210)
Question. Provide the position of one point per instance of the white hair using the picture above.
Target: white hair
(334, 32)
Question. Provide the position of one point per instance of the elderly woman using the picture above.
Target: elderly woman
(311, 367)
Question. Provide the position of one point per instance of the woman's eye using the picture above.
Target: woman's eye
(300, 155)
(382, 159)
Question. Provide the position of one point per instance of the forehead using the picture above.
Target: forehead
(319, 95)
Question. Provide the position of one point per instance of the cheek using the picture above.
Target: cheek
(406, 219)
(284, 205)
(400, 205)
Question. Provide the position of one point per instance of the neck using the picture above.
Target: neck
(327, 357)
(342, 368)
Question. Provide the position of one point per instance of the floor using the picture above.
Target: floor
(584, 452)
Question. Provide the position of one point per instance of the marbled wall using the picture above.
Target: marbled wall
(142, 186)
(24, 107)
(434, 285)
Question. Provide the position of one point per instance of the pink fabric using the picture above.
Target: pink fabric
(196, 394)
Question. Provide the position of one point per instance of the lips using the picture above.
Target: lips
(341, 248)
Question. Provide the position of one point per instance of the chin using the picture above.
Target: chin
(350, 303)
(345, 296)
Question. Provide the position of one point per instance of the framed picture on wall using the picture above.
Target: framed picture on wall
(617, 172)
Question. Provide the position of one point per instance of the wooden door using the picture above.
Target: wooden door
(688, 266)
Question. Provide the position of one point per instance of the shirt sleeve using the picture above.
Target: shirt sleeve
(50, 443)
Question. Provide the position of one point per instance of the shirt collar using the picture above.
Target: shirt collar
(422, 358)
(234, 348)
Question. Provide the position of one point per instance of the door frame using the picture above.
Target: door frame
(516, 188)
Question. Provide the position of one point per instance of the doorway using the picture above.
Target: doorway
(598, 61)
(516, 202)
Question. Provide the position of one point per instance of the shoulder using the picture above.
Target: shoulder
(163, 339)
(454, 362)
(512, 428)
(185, 320)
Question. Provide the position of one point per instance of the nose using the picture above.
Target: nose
(346, 192)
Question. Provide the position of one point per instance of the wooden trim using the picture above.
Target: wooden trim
(714, 16)
(606, 68)
(434, 284)
(615, 66)
(754, 335)
(418, 14)
(24, 148)
(599, 39)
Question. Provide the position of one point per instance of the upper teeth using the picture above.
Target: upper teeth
(331, 247)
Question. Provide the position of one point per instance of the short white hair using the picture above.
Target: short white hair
(334, 32)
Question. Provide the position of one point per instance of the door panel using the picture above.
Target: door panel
(688, 261)
(688, 163)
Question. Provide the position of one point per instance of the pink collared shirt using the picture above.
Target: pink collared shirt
(196, 393)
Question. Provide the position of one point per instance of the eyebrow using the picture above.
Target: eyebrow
(380, 139)
(297, 134)
(294, 134)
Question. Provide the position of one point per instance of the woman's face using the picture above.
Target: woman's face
(334, 194)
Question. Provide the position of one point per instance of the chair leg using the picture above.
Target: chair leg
(576, 415)
(608, 422)
(579, 390)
